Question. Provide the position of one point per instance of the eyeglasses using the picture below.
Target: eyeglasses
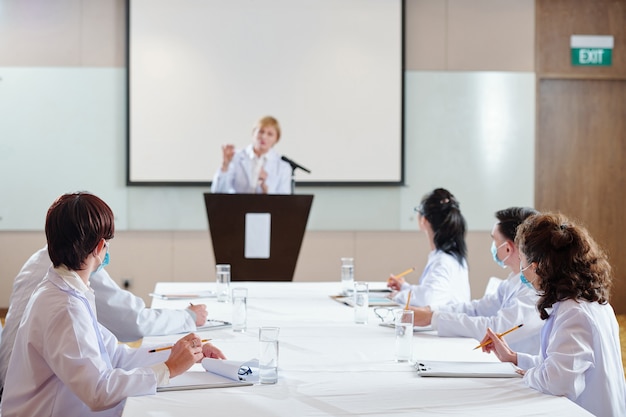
(385, 314)
(419, 209)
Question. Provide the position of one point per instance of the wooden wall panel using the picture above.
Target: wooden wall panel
(580, 159)
(557, 20)
(581, 128)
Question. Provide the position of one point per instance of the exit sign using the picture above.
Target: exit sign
(591, 50)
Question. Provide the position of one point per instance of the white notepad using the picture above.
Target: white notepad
(215, 373)
(466, 369)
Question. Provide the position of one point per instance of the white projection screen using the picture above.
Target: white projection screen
(202, 72)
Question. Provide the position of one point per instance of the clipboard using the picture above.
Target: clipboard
(184, 296)
(212, 324)
(428, 368)
(373, 301)
(416, 329)
(215, 373)
(192, 380)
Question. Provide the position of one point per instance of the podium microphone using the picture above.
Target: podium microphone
(293, 164)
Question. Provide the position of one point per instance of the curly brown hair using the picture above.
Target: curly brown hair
(570, 264)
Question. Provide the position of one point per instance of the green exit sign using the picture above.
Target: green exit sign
(591, 50)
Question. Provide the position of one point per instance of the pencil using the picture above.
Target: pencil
(169, 347)
(499, 336)
(408, 271)
(401, 274)
(408, 299)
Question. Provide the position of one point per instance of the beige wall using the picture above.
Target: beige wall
(441, 35)
(149, 257)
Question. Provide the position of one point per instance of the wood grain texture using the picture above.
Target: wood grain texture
(557, 20)
(580, 159)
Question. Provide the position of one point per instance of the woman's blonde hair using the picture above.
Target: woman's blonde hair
(268, 121)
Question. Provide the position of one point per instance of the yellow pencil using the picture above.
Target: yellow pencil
(408, 299)
(401, 274)
(169, 347)
(499, 336)
(408, 271)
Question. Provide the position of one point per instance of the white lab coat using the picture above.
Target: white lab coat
(513, 303)
(237, 178)
(444, 280)
(120, 311)
(580, 358)
(57, 368)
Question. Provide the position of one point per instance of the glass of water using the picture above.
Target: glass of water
(268, 355)
(403, 320)
(347, 275)
(361, 302)
(240, 309)
(222, 281)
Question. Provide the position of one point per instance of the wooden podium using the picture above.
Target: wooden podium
(284, 216)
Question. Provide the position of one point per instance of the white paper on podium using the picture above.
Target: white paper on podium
(257, 235)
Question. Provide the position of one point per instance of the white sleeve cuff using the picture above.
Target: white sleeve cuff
(434, 320)
(162, 373)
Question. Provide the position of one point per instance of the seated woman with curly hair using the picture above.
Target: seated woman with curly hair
(580, 355)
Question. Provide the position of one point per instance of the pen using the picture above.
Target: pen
(169, 347)
(499, 336)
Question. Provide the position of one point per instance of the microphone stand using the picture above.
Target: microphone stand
(294, 166)
(293, 179)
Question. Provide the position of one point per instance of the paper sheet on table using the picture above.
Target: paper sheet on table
(234, 370)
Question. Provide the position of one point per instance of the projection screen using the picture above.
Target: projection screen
(202, 72)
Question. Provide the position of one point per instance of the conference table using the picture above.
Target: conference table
(330, 366)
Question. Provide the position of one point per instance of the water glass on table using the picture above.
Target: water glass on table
(222, 282)
(361, 302)
(347, 275)
(268, 355)
(240, 309)
(403, 320)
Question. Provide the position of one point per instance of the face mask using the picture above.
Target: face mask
(494, 253)
(103, 263)
(523, 278)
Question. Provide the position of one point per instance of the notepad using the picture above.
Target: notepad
(466, 369)
(373, 301)
(415, 328)
(215, 373)
(184, 296)
(214, 324)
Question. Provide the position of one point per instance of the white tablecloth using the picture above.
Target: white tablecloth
(329, 366)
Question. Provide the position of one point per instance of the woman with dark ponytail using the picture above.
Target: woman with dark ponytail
(445, 278)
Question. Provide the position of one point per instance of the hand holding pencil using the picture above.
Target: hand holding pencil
(488, 340)
(187, 351)
(395, 281)
(493, 342)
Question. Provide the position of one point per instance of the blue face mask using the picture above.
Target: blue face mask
(524, 279)
(104, 263)
(494, 253)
